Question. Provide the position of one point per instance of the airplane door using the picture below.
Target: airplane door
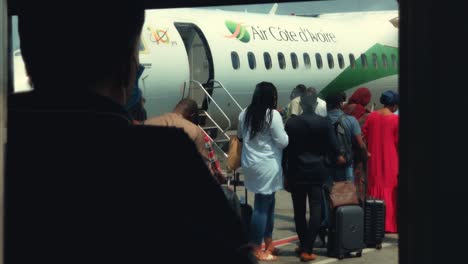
(199, 58)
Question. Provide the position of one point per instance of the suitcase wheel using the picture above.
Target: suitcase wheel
(378, 246)
(340, 257)
(359, 254)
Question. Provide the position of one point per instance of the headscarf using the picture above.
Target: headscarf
(356, 105)
(361, 96)
(389, 98)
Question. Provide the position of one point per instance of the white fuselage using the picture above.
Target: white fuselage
(180, 45)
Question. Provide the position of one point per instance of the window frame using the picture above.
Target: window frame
(236, 56)
(352, 61)
(341, 62)
(318, 60)
(308, 62)
(364, 61)
(375, 61)
(282, 59)
(384, 61)
(265, 55)
(251, 58)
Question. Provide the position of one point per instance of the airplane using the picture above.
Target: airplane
(191, 52)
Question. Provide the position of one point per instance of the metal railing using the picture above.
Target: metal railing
(220, 85)
(213, 101)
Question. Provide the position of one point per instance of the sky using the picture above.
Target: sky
(304, 8)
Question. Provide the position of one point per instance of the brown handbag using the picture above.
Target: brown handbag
(234, 154)
(343, 193)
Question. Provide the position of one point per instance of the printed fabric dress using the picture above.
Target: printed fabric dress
(381, 132)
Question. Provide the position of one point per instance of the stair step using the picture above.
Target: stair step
(222, 140)
(210, 127)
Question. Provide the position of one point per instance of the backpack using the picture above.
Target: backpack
(344, 144)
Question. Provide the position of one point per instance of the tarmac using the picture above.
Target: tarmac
(285, 238)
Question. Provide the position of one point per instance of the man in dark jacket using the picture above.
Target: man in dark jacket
(84, 185)
(310, 137)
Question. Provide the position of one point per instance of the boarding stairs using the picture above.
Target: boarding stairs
(212, 115)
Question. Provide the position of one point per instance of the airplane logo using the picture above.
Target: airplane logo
(238, 31)
(159, 36)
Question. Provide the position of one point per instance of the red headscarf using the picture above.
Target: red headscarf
(357, 102)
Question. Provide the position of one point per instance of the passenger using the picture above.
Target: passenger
(261, 131)
(357, 104)
(296, 92)
(83, 185)
(381, 132)
(356, 107)
(353, 132)
(320, 110)
(185, 116)
(310, 137)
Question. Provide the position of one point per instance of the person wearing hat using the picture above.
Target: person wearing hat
(311, 136)
(381, 132)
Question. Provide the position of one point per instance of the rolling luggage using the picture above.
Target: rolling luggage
(346, 231)
(374, 219)
(246, 210)
(374, 223)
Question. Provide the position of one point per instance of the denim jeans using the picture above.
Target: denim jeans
(262, 218)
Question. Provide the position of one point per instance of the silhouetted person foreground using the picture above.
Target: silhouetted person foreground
(83, 185)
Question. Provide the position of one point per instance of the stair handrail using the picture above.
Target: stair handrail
(216, 124)
(214, 102)
(228, 93)
(216, 144)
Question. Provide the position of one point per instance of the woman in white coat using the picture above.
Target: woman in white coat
(263, 137)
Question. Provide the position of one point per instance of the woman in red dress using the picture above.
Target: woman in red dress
(381, 132)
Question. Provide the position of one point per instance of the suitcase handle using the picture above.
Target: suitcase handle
(238, 182)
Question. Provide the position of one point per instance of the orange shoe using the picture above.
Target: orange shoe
(298, 251)
(265, 256)
(270, 248)
(307, 257)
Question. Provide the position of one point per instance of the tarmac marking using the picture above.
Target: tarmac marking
(366, 250)
(289, 240)
(283, 241)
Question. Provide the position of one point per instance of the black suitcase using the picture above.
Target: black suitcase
(246, 210)
(374, 223)
(346, 231)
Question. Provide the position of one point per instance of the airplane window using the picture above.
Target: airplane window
(307, 60)
(364, 61)
(352, 61)
(341, 60)
(384, 61)
(374, 60)
(331, 62)
(267, 59)
(318, 58)
(294, 61)
(252, 62)
(394, 61)
(235, 60)
(281, 60)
